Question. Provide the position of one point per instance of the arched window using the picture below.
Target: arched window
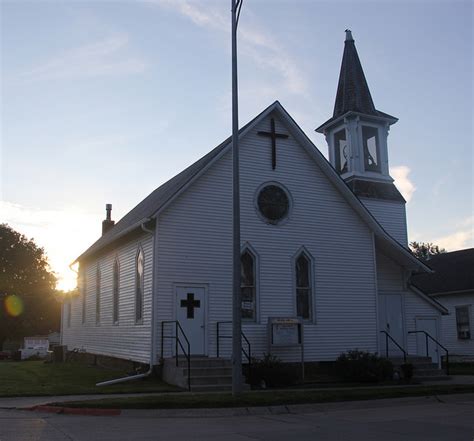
(303, 286)
(115, 292)
(248, 286)
(97, 295)
(68, 313)
(82, 281)
(139, 272)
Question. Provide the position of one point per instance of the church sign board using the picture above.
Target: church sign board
(286, 332)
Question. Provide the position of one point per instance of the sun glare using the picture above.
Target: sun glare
(13, 305)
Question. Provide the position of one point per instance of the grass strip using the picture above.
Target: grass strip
(264, 398)
(37, 378)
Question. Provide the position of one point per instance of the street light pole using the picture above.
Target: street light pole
(236, 300)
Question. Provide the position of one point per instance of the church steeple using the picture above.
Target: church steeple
(357, 139)
(357, 132)
(352, 91)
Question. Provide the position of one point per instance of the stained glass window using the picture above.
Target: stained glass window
(303, 287)
(247, 285)
(140, 269)
(273, 203)
(115, 293)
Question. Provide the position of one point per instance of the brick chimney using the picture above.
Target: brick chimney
(108, 223)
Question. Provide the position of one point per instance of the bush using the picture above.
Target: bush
(270, 372)
(361, 366)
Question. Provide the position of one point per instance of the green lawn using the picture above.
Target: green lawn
(265, 398)
(30, 378)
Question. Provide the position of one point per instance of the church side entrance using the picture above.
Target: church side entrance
(391, 321)
(190, 312)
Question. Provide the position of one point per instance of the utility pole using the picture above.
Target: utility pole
(236, 300)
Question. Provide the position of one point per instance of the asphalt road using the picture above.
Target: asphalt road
(443, 418)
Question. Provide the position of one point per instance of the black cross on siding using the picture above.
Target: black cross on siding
(273, 135)
(190, 304)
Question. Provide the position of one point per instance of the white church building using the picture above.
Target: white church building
(322, 241)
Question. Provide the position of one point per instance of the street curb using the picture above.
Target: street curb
(255, 411)
(75, 411)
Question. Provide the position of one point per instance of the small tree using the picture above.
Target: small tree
(425, 250)
(28, 303)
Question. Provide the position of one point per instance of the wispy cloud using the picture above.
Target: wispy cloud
(402, 181)
(254, 42)
(462, 237)
(106, 57)
(64, 233)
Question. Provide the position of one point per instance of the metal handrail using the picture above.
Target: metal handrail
(187, 354)
(388, 336)
(248, 353)
(437, 342)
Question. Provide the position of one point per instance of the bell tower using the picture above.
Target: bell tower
(357, 139)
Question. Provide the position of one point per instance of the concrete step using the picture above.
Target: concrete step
(427, 372)
(206, 374)
(208, 371)
(204, 362)
(210, 380)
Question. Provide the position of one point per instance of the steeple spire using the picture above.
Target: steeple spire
(353, 93)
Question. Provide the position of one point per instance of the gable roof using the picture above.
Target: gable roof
(144, 211)
(150, 207)
(353, 94)
(454, 273)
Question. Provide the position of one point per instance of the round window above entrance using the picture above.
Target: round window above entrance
(273, 203)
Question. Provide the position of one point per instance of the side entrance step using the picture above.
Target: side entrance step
(207, 374)
(423, 368)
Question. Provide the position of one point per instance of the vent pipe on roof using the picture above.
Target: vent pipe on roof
(108, 223)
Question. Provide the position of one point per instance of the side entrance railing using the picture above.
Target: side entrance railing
(247, 352)
(429, 337)
(389, 337)
(179, 337)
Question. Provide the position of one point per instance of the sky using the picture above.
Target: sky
(103, 101)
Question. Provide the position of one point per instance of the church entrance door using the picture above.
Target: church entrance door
(391, 321)
(190, 304)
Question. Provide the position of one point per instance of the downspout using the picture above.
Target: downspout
(152, 330)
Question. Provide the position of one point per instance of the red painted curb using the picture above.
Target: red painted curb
(76, 411)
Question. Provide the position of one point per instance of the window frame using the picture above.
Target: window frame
(468, 308)
(288, 214)
(367, 167)
(247, 248)
(337, 151)
(116, 291)
(98, 288)
(139, 319)
(311, 279)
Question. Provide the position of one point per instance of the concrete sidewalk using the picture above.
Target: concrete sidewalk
(27, 402)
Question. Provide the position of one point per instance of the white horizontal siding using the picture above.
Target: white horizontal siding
(195, 246)
(391, 215)
(389, 275)
(127, 339)
(450, 335)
